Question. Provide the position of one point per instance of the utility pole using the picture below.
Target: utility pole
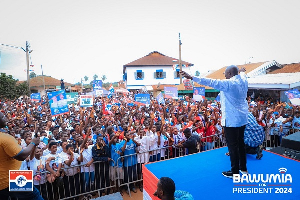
(27, 63)
(43, 79)
(180, 65)
(27, 51)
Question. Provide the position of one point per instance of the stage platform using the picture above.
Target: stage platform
(200, 175)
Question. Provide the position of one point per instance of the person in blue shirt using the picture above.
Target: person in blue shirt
(233, 94)
(116, 165)
(130, 168)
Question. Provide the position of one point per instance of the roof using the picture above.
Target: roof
(275, 81)
(219, 74)
(155, 58)
(288, 68)
(39, 81)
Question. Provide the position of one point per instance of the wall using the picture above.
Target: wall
(149, 76)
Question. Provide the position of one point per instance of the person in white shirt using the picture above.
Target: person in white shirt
(71, 177)
(276, 129)
(53, 166)
(233, 94)
(38, 165)
(143, 151)
(87, 165)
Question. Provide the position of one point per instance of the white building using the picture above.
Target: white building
(153, 69)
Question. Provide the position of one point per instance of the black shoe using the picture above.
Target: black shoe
(228, 174)
(259, 152)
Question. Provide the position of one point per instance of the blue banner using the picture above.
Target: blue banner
(97, 84)
(142, 98)
(160, 98)
(35, 96)
(294, 96)
(58, 102)
(171, 92)
(218, 98)
(199, 93)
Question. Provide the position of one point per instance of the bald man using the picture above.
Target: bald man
(234, 106)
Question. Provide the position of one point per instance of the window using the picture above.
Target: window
(176, 74)
(159, 74)
(139, 75)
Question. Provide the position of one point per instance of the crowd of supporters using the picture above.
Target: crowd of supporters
(91, 149)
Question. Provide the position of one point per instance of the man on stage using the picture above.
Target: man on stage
(234, 106)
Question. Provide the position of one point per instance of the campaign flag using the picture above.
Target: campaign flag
(35, 97)
(142, 99)
(171, 92)
(20, 180)
(58, 102)
(86, 100)
(111, 89)
(187, 84)
(294, 96)
(97, 84)
(199, 93)
(160, 98)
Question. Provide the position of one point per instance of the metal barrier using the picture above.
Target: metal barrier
(81, 181)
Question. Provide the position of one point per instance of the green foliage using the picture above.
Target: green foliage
(197, 73)
(103, 78)
(9, 88)
(32, 75)
(86, 78)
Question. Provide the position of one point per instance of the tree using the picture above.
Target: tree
(9, 88)
(32, 75)
(95, 77)
(197, 73)
(103, 78)
(86, 78)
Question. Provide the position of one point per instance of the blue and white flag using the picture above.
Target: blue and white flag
(160, 98)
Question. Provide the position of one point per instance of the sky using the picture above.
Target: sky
(72, 39)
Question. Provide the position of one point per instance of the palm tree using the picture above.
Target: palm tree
(103, 78)
(86, 78)
(197, 73)
(95, 77)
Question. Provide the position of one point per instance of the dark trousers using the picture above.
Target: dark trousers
(54, 191)
(71, 185)
(5, 194)
(130, 174)
(275, 141)
(102, 176)
(236, 146)
(43, 190)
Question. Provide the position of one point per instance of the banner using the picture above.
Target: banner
(72, 97)
(160, 98)
(98, 93)
(58, 102)
(217, 99)
(97, 84)
(199, 93)
(86, 100)
(294, 96)
(171, 92)
(144, 99)
(187, 84)
(35, 97)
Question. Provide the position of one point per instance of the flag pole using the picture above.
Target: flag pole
(180, 66)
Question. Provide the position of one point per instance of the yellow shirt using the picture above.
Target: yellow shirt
(9, 148)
